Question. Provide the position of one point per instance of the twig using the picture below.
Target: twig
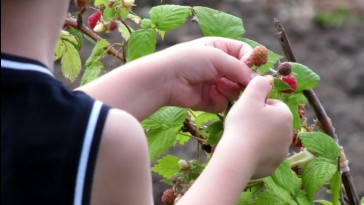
(325, 122)
(192, 129)
(110, 50)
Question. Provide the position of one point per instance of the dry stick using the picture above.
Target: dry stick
(325, 122)
(110, 50)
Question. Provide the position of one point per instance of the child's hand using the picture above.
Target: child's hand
(262, 125)
(204, 74)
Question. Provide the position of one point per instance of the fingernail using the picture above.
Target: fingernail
(270, 79)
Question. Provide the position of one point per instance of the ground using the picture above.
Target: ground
(336, 53)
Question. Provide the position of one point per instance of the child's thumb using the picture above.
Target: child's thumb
(257, 91)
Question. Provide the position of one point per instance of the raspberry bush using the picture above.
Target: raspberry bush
(316, 158)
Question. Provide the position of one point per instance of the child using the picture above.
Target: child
(87, 147)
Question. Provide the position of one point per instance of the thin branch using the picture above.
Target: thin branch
(126, 25)
(192, 129)
(322, 117)
(110, 50)
(191, 136)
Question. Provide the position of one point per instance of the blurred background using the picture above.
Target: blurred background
(326, 35)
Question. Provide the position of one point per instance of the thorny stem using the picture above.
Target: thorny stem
(191, 136)
(110, 50)
(190, 128)
(325, 122)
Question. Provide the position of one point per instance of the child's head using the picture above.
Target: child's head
(31, 28)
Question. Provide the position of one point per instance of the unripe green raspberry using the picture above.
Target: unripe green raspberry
(128, 3)
(183, 164)
(100, 28)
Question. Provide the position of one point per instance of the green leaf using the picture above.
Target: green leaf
(302, 199)
(279, 192)
(293, 100)
(214, 132)
(92, 72)
(142, 42)
(146, 23)
(205, 118)
(93, 63)
(217, 23)
(70, 62)
(320, 144)
(167, 166)
(362, 200)
(270, 197)
(134, 18)
(195, 170)
(300, 159)
(98, 52)
(124, 31)
(100, 2)
(160, 32)
(286, 178)
(305, 77)
(109, 13)
(296, 117)
(166, 117)
(160, 141)
(123, 13)
(78, 36)
(280, 85)
(246, 198)
(66, 36)
(59, 50)
(323, 202)
(183, 139)
(316, 173)
(169, 17)
(335, 186)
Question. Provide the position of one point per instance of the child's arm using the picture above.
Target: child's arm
(122, 172)
(201, 74)
(256, 138)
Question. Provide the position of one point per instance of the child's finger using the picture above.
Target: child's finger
(257, 91)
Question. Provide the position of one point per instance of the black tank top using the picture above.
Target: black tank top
(49, 136)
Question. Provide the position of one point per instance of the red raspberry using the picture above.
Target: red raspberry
(284, 69)
(113, 25)
(93, 19)
(296, 170)
(291, 81)
(296, 141)
(259, 56)
(168, 197)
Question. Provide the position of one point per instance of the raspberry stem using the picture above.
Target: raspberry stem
(319, 111)
(110, 50)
